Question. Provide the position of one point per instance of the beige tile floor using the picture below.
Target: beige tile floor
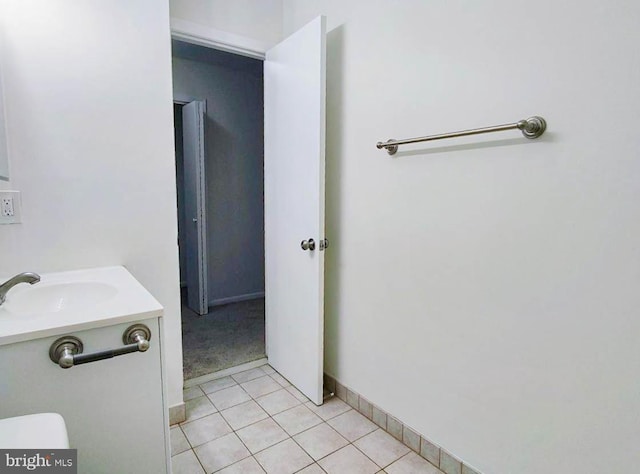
(255, 422)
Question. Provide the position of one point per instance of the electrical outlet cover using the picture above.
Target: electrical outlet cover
(6, 207)
(10, 207)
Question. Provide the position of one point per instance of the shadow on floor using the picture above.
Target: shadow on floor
(227, 336)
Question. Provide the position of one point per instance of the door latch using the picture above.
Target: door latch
(311, 244)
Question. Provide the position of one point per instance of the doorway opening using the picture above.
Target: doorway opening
(286, 91)
(219, 128)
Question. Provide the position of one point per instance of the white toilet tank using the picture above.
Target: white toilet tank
(38, 431)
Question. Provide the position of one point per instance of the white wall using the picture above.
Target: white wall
(485, 290)
(4, 157)
(89, 114)
(257, 19)
(234, 149)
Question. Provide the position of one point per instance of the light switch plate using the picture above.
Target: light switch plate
(10, 207)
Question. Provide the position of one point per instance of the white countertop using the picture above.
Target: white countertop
(124, 300)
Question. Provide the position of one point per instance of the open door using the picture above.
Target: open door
(294, 143)
(195, 209)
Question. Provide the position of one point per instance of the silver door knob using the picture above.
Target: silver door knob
(308, 244)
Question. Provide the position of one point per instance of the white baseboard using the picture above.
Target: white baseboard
(236, 299)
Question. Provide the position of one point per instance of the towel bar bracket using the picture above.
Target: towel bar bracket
(533, 127)
(391, 149)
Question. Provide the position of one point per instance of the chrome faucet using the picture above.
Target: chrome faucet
(26, 277)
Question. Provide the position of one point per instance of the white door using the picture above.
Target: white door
(294, 144)
(194, 203)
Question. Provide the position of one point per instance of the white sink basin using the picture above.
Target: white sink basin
(67, 302)
(45, 298)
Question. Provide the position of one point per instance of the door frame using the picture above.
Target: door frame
(184, 100)
(193, 33)
(203, 262)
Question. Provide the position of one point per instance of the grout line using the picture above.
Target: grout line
(239, 461)
(258, 378)
(334, 416)
(315, 463)
(342, 447)
(224, 373)
(281, 411)
(255, 423)
(315, 426)
(239, 439)
(353, 409)
(239, 403)
(306, 452)
(213, 439)
(296, 443)
(290, 435)
(219, 389)
(264, 449)
(200, 417)
(246, 447)
(243, 427)
(185, 437)
(365, 455)
(395, 460)
(198, 459)
(409, 454)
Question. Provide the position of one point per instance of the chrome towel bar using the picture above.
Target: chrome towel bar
(67, 351)
(532, 127)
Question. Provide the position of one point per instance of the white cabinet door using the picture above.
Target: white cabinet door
(113, 408)
(294, 142)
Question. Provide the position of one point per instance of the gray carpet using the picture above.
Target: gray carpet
(227, 336)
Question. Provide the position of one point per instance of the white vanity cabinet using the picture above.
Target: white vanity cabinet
(113, 408)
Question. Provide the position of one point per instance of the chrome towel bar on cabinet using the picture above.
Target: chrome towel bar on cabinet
(532, 127)
(67, 350)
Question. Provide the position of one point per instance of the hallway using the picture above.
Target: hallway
(227, 336)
